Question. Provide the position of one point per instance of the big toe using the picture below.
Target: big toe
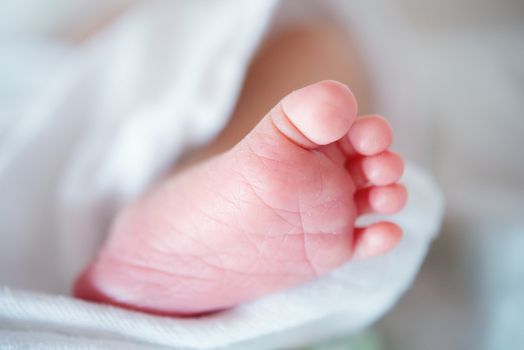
(315, 115)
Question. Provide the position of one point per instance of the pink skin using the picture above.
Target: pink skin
(275, 211)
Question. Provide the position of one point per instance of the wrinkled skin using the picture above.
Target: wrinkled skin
(276, 210)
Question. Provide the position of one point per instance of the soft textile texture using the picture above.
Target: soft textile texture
(114, 113)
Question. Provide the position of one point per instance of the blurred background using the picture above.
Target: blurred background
(470, 291)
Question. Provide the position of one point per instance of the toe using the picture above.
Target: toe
(317, 114)
(382, 169)
(381, 199)
(376, 239)
(370, 135)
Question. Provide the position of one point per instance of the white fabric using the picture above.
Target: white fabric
(118, 110)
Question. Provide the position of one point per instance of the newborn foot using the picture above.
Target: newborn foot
(276, 210)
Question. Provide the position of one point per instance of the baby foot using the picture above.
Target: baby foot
(276, 210)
